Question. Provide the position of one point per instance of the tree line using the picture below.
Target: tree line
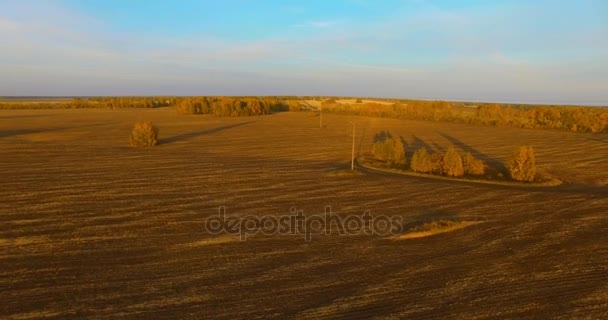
(572, 118)
(234, 106)
(86, 103)
(392, 151)
(220, 106)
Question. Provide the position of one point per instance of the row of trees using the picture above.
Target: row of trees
(220, 106)
(522, 167)
(573, 118)
(452, 163)
(87, 103)
(393, 151)
(233, 106)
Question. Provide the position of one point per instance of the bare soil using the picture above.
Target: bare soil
(92, 228)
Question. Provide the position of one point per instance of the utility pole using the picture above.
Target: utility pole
(352, 159)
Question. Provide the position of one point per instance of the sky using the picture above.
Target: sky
(513, 51)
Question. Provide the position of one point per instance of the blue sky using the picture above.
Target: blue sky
(531, 51)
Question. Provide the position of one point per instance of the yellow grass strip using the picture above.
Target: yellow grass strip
(434, 228)
(210, 241)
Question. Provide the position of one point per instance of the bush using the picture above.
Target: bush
(523, 165)
(358, 100)
(472, 165)
(452, 163)
(144, 134)
(421, 161)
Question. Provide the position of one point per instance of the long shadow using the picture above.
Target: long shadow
(18, 132)
(438, 147)
(416, 144)
(361, 139)
(490, 161)
(191, 135)
(26, 116)
(382, 135)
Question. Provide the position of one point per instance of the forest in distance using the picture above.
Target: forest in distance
(561, 117)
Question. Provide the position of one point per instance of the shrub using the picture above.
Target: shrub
(358, 100)
(452, 163)
(421, 161)
(472, 165)
(144, 134)
(523, 165)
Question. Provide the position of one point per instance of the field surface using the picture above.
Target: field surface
(91, 228)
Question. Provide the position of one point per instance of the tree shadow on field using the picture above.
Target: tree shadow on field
(493, 163)
(416, 144)
(26, 116)
(382, 135)
(361, 139)
(438, 147)
(191, 135)
(18, 132)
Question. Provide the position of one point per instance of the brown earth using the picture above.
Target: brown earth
(92, 228)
